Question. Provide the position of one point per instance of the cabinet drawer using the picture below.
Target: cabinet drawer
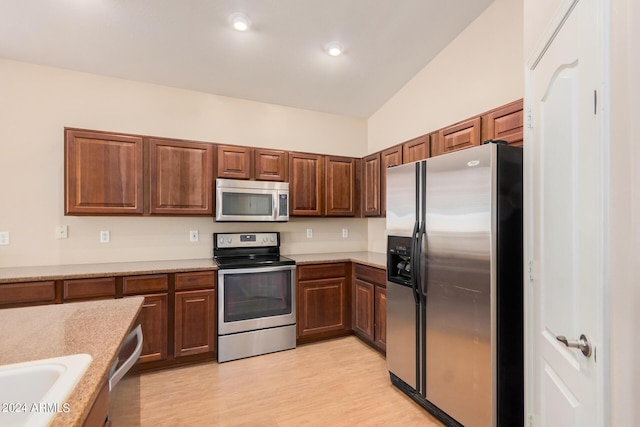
(322, 271)
(27, 293)
(145, 284)
(370, 274)
(196, 280)
(89, 288)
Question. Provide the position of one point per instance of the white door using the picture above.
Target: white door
(565, 226)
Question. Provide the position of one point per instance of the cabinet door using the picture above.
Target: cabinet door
(322, 306)
(389, 157)
(195, 326)
(234, 162)
(153, 319)
(459, 136)
(306, 186)
(505, 123)
(103, 173)
(271, 165)
(416, 149)
(340, 187)
(380, 329)
(180, 177)
(363, 321)
(371, 185)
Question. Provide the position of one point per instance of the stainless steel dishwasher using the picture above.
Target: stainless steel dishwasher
(124, 390)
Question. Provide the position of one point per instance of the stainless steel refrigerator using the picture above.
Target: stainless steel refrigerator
(455, 285)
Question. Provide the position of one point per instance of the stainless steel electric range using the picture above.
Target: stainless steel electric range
(256, 295)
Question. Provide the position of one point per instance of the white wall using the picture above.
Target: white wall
(37, 102)
(481, 69)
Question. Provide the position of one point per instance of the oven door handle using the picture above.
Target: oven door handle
(265, 269)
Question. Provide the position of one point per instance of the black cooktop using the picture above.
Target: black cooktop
(248, 250)
(253, 261)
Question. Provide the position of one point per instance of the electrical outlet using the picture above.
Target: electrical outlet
(4, 238)
(309, 233)
(345, 233)
(62, 232)
(193, 236)
(105, 237)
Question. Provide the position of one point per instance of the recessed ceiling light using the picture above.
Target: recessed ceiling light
(334, 49)
(239, 21)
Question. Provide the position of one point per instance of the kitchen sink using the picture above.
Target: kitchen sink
(31, 393)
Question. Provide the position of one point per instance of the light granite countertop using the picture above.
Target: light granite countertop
(97, 328)
(372, 259)
(71, 271)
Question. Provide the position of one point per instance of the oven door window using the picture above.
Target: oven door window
(257, 295)
(247, 204)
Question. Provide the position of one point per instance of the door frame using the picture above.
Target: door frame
(531, 268)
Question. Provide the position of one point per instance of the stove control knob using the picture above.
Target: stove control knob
(273, 239)
(221, 240)
(228, 239)
(264, 239)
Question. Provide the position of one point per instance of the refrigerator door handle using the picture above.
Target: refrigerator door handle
(422, 261)
(414, 262)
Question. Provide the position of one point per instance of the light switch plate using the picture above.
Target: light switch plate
(193, 236)
(309, 233)
(4, 238)
(105, 237)
(345, 233)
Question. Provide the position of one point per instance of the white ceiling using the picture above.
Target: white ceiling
(190, 44)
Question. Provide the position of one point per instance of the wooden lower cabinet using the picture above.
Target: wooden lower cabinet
(99, 411)
(195, 327)
(370, 305)
(363, 309)
(153, 319)
(380, 325)
(323, 301)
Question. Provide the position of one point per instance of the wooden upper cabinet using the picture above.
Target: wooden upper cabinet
(340, 187)
(180, 177)
(415, 149)
(234, 162)
(459, 136)
(505, 123)
(371, 185)
(270, 165)
(103, 173)
(389, 157)
(306, 184)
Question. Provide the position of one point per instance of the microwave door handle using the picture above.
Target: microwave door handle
(276, 208)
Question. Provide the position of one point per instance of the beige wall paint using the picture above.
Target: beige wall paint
(481, 69)
(38, 102)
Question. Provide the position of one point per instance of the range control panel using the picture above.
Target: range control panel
(246, 240)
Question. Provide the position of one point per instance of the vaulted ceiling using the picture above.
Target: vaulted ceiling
(281, 59)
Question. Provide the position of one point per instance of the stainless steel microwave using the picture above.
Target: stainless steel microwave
(255, 201)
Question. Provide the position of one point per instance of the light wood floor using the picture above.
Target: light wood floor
(340, 382)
